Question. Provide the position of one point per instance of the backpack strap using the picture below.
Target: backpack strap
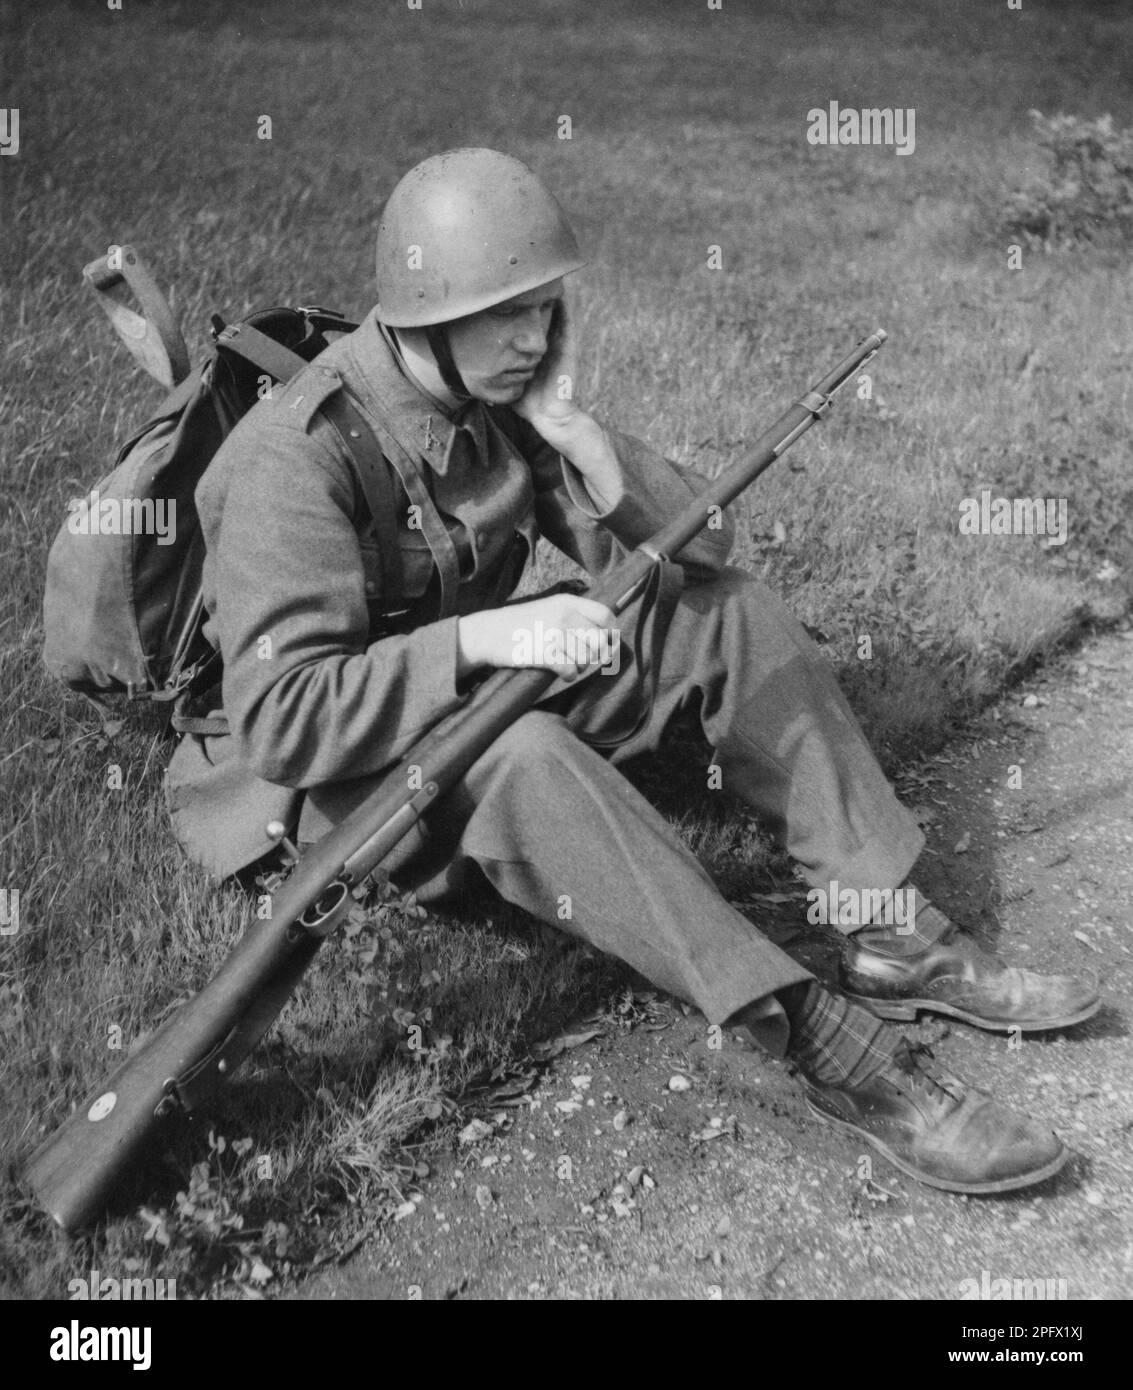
(197, 699)
(373, 472)
(260, 350)
(372, 451)
(436, 533)
(370, 467)
(326, 320)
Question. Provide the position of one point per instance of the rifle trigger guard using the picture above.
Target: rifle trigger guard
(323, 915)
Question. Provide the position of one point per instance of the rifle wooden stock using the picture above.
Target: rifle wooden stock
(74, 1172)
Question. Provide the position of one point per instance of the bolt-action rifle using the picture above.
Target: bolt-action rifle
(74, 1172)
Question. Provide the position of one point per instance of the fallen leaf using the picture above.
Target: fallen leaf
(474, 1131)
(963, 844)
(621, 1119)
(876, 1193)
(702, 1136)
(484, 1198)
(677, 1082)
(544, 1051)
(512, 1091)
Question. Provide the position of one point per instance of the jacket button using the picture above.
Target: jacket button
(371, 587)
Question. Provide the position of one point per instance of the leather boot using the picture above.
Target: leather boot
(956, 978)
(938, 1129)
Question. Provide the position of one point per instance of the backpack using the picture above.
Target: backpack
(123, 609)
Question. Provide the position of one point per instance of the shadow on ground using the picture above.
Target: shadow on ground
(604, 1182)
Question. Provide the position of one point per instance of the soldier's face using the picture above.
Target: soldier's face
(498, 351)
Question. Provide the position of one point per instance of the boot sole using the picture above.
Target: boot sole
(1030, 1179)
(906, 1010)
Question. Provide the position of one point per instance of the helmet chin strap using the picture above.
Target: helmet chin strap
(437, 337)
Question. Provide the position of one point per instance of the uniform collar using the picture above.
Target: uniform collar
(413, 415)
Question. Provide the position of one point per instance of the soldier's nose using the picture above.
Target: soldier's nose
(531, 337)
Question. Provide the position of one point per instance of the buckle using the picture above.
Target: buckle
(175, 688)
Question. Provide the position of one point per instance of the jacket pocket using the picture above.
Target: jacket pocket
(416, 571)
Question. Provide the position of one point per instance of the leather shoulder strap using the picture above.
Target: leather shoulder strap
(260, 350)
(373, 474)
(432, 525)
(358, 442)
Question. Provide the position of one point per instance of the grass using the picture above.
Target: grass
(688, 131)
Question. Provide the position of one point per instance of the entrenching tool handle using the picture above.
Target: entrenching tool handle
(153, 337)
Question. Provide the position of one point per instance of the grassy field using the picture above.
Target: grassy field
(688, 131)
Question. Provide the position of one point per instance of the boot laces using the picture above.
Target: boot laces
(918, 1062)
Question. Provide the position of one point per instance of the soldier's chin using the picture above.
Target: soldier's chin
(504, 392)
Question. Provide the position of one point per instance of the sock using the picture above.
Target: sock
(834, 1041)
(929, 925)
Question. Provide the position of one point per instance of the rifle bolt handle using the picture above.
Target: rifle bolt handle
(277, 832)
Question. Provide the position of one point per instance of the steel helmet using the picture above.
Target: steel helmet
(465, 230)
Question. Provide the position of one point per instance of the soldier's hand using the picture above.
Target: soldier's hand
(550, 405)
(549, 401)
(559, 632)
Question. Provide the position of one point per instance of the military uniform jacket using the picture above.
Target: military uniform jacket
(320, 684)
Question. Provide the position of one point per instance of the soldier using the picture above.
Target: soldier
(339, 654)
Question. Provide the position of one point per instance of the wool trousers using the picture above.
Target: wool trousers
(556, 828)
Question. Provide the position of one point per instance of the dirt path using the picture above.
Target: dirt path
(608, 1184)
